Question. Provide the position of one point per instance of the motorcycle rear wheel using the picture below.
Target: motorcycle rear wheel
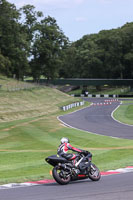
(61, 180)
(94, 173)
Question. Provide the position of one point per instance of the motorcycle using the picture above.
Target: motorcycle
(65, 170)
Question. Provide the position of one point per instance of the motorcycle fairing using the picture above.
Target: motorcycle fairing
(54, 160)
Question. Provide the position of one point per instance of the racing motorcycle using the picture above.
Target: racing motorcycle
(65, 170)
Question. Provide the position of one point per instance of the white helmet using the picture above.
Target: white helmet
(66, 140)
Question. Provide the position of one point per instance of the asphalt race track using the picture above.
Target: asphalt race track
(113, 187)
(96, 119)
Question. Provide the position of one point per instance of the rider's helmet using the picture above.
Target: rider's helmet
(66, 140)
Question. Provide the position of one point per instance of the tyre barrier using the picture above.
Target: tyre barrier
(73, 105)
(101, 104)
(106, 102)
(111, 100)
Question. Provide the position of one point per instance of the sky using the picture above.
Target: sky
(77, 18)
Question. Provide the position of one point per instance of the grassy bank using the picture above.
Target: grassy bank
(30, 131)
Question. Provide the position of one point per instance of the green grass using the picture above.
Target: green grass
(26, 148)
(30, 131)
(125, 113)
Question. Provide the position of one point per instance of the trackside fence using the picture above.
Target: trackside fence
(103, 95)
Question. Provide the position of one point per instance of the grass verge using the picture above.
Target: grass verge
(125, 113)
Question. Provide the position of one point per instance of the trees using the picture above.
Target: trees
(68, 68)
(108, 54)
(48, 45)
(29, 45)
(12, 40)
(8, 24)
(33, 45)
(127, 38)
(30, 22)
(4, 64)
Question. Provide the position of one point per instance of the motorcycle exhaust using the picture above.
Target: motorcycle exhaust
(63, 166)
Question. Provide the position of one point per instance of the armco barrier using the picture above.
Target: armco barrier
(73, 105)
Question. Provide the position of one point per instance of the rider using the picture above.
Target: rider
(65, 146)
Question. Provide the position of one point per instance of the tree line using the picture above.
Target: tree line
(108, 54)
(34, 45)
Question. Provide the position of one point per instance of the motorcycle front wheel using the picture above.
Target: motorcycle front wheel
(94, 173)
(61, 176)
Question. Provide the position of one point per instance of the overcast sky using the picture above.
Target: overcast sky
(77, 18)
